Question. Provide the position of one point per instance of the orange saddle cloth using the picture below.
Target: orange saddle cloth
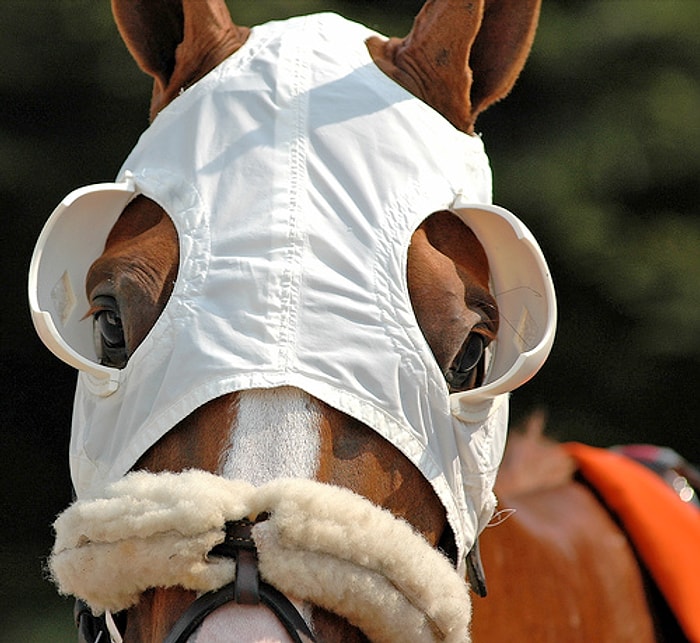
(664, 530)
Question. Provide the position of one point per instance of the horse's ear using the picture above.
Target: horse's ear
(176, 41)
(460, 57)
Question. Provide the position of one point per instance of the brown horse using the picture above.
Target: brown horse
(459, 58)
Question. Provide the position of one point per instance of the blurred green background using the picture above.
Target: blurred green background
(597, 149)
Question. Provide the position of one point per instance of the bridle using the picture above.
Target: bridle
(246, 589)
(303, 537)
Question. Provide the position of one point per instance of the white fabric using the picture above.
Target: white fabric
(295, 174)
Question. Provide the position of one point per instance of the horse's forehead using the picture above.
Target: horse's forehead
(139, 217)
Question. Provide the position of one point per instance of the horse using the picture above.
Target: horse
(563, 549)
(458, 59)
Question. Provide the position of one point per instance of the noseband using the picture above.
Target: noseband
(246, 589)
(194, 530)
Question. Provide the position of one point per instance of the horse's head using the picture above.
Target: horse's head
(299, 275)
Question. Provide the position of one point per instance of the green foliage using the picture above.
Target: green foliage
(615, 158)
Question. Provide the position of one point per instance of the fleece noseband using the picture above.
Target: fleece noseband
(319, 544)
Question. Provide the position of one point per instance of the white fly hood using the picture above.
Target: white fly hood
(295, 174)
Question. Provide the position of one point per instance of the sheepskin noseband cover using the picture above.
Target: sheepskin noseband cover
(296, 173)
(321, 544)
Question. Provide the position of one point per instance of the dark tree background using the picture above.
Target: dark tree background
(597, 149)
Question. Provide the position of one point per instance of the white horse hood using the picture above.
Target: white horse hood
(295, 174)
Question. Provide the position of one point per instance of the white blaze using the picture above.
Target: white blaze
(276, 435)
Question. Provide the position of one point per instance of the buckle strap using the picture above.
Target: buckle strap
(247, 584)
(240, 545)
(246, 589)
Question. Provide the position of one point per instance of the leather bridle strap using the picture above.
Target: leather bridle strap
(246, 589)
(282, 607)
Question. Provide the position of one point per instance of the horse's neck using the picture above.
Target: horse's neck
(532, 462)
(559, 566)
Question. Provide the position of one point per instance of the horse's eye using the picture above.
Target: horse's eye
(109, 332)
(467, 369)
